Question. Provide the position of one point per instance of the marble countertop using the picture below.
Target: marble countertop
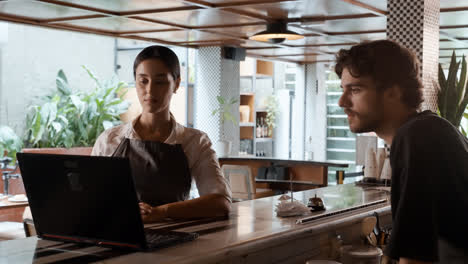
(252, 227)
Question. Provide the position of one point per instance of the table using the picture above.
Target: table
(11, 211)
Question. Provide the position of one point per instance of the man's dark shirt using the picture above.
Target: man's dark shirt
(429, 160)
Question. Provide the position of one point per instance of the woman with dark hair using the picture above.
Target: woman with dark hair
(164, 155)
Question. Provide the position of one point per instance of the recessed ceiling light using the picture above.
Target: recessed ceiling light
(276, 32)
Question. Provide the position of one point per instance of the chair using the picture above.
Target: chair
(242, 183)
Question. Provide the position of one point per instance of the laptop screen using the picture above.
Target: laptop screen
(83, 198)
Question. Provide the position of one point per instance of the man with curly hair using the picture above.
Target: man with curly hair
(382, 93)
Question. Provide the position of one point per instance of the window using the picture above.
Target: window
(341, 142)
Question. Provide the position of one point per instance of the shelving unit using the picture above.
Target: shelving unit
(252, 70)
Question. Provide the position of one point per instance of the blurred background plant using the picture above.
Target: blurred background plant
(452, 95)
(225, 110)
(70, 118)
(272, 108)
(10, 143)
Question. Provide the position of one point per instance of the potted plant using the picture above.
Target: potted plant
(70, 118)
(225, 112)
(10, 143)
(452, 93)
(272, 111)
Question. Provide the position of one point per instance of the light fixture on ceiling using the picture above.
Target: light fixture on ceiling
(276, 32)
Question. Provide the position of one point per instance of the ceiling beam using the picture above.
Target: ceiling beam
(454, 9)
(454, 26)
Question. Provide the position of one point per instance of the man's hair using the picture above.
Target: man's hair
(388, 64)
(166, 55)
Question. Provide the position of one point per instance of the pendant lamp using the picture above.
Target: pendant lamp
(276, 32)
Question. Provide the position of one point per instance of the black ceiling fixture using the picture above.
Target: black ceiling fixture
(276, 32)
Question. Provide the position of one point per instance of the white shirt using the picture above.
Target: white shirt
(202, 160)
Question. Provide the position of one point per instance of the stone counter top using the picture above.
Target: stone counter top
(252, 234)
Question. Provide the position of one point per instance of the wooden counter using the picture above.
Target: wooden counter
(311, 173)
(252, 234)
(11, 211)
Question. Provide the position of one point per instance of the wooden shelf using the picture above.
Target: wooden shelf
(264, 68)
(246, 132)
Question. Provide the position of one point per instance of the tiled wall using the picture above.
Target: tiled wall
(415, 24)
(216, 77)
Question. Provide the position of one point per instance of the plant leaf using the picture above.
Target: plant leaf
(220, 99)
(451, 100)
(442, 91)
(62, 83)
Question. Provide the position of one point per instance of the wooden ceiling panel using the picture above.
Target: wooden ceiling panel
(251, 44)
(379, 4)
(242, 32)
(453, 3)
(247, 31)
(128, 5)
(300, 9)
(448, 53)
(310, 58)
(361, 24)
(444, 44)
(201, 18)
(117, 24)
(278, 52)
(361, 36)
(315, 40)
(185, 36)
(454, 18)
(456, 32)
(40, 10)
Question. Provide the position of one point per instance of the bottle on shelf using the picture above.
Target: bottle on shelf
(265, 129)
(259, 129)
(262, 125)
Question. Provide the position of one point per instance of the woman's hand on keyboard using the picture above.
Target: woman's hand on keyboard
(152, 214)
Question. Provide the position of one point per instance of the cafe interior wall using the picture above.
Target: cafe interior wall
(31, 58)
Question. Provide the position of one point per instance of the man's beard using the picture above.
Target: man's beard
(365, 123)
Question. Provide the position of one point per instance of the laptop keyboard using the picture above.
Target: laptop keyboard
(161, 238)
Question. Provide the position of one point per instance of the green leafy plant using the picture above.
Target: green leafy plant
(225, 110)
(272, 111)
(10, 143)
(452, 95)
(70, 118)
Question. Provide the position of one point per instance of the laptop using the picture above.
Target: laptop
(89, 199)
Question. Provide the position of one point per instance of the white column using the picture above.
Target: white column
(316, 110)
(216, 77)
